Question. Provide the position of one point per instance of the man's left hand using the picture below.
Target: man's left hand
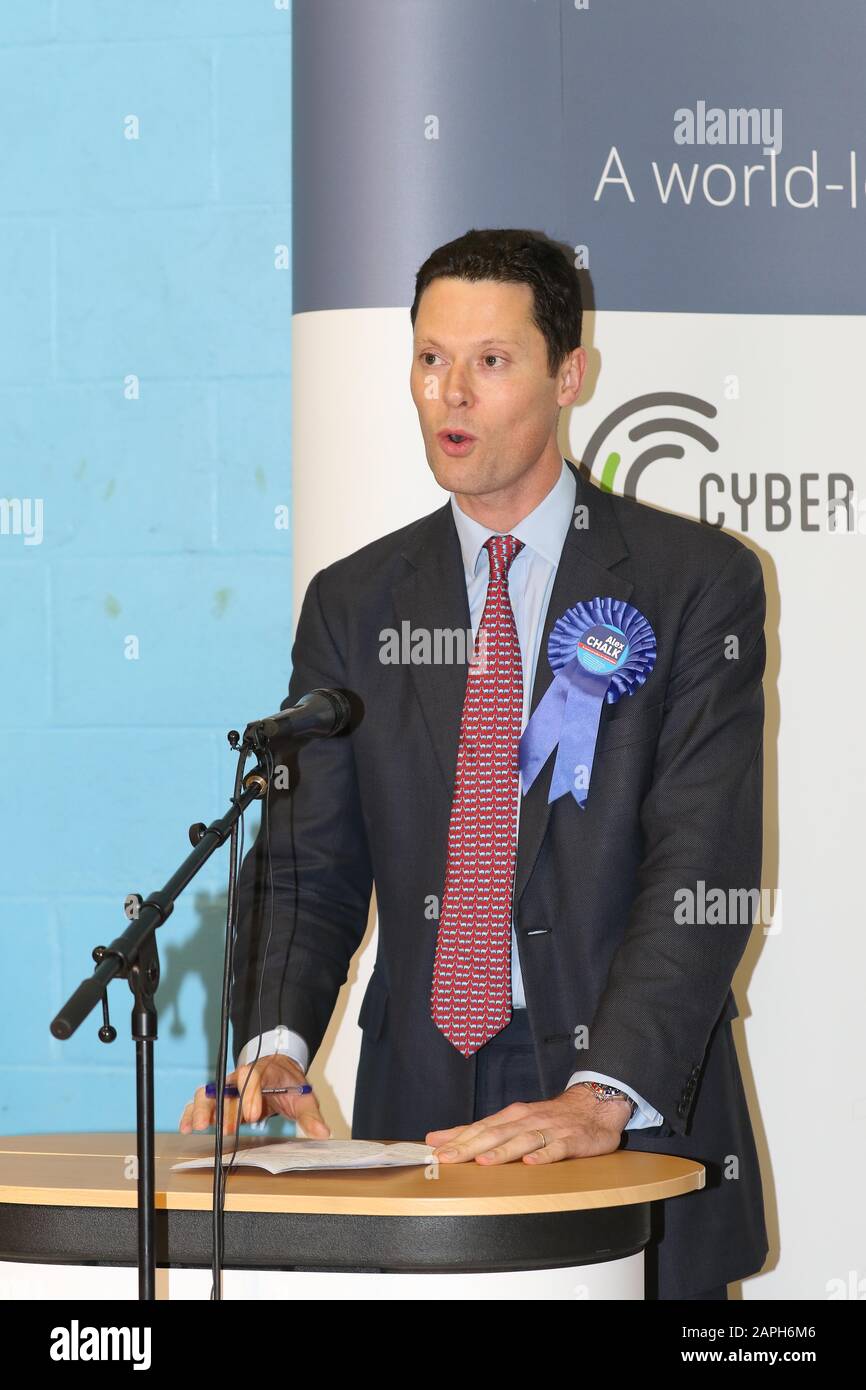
(575, 1125)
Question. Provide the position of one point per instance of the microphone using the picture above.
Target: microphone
(319, 714)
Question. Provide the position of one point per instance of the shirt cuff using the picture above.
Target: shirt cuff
(645, 1117)
(279, 1039)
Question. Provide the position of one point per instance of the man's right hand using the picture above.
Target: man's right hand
(274, 1070)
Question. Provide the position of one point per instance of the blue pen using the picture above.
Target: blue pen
(210, 1090)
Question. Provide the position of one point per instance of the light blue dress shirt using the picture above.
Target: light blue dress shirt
(530, 582)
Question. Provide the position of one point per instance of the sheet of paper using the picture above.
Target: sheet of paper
(291, 1155)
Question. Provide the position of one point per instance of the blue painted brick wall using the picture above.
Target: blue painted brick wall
(145, 329)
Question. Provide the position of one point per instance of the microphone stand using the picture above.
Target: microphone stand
(133, 956)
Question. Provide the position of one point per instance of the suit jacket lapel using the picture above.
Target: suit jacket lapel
(433, 596)
(584, 572)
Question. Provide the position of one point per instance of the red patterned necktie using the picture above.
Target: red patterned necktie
(471, 996)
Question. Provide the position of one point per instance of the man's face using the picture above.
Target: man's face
(480, 365)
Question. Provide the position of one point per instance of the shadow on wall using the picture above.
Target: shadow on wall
(202, 955)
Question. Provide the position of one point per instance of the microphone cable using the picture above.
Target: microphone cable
(235, 847)
(221, 1176)
(235, 857)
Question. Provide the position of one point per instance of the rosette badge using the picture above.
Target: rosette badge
(599, 650)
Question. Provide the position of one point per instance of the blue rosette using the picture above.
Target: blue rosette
(598, 650)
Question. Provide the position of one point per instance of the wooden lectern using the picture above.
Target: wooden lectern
(569, 1230)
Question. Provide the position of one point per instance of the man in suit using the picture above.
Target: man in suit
(539, 991)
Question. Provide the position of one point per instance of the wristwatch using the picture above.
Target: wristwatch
(603, 1092)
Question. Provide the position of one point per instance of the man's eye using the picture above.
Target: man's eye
(427, 354)
(495, 356)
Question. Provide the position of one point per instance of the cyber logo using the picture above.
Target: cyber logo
(746, 501)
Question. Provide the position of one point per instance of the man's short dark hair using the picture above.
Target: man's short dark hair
(517, 255)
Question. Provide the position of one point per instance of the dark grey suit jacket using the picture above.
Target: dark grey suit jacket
(675, 798)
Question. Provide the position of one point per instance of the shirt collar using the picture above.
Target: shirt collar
(544, 530)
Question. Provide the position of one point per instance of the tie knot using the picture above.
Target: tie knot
(501, 550)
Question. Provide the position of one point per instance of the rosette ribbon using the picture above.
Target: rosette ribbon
(598, 650)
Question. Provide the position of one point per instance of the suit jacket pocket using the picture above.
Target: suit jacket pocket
(618, 730)
(371, 1015)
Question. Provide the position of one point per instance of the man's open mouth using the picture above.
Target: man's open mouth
(456, 436)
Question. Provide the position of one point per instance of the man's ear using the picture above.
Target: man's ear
(569, 374)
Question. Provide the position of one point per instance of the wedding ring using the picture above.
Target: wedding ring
(541, 1136)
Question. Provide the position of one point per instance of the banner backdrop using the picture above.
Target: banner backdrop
(708, 166)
